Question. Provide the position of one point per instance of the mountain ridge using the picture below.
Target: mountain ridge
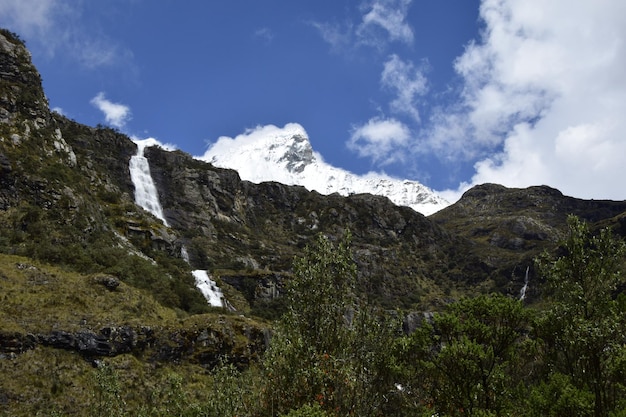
(285, 155)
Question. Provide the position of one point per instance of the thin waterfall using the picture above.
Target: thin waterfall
(209, 288)
(184, 254)
(522, 293)
(146, 194)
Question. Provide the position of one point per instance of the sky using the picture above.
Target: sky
(451, 93)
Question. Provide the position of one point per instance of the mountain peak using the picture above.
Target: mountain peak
(298, 153)
(285, 155)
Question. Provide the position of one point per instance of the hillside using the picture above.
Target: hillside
(90, 277)
(509, 227)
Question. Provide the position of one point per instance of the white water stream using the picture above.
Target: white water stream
(522, 293)
(146, 194)
(206, 285)
(209, 288)
(147, 197)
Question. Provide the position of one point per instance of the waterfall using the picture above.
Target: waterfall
(184, 254)
(522, 293)
(147, 197)
(146, 194)
(209, 288)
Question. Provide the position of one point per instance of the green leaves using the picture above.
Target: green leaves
(585, 328)
(330, 351)
(473, 365)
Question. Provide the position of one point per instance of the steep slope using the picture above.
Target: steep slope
(66, 194)
(68, 199)
(511, 226)
(285, 155)
(114, 296)
(229, 225)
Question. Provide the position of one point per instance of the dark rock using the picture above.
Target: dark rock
(108, 281)
(12, 343)
(111, 341)
(25, 95)
(414, 319)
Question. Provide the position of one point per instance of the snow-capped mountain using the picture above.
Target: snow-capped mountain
(285, 155)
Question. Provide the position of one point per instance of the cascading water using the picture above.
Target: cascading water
(209, 288)
(522, 293)
(146, 195)
(206, 285)
(184, 254)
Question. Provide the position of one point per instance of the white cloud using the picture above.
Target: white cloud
(339, 36)
(264, 34)
(114, 113)
(381, 22)
(545, 90)
(28, 17)
(100, 52)
(380, 139)
(53, 27)
(407, 82)
(389, 15)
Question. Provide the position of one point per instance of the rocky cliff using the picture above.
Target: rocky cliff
(230, 224)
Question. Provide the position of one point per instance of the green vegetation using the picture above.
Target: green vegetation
(470, 360)
(585, 327)
(330, 349)
(37, 298)
(164, 359)
(333, 354)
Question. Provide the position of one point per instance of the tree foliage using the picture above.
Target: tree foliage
(468, 360)
(330, 350)
(585, 328)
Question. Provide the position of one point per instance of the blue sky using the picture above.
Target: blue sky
(451, 93)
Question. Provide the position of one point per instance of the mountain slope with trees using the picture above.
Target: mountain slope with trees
(344, 305)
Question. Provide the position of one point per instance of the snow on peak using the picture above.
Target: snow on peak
(267, 153)
(285, 155)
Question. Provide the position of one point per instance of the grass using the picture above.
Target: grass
(39, 298)
(36, 299)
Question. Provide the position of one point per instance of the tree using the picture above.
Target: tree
(585, 328)
(330, 350)
(474, 360)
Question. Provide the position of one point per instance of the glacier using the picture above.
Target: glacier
(285, 155)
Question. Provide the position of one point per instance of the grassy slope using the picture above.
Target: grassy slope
(38, 299)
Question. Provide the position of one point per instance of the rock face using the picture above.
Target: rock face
(203, 345)
(22, 79)
(233, 224)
